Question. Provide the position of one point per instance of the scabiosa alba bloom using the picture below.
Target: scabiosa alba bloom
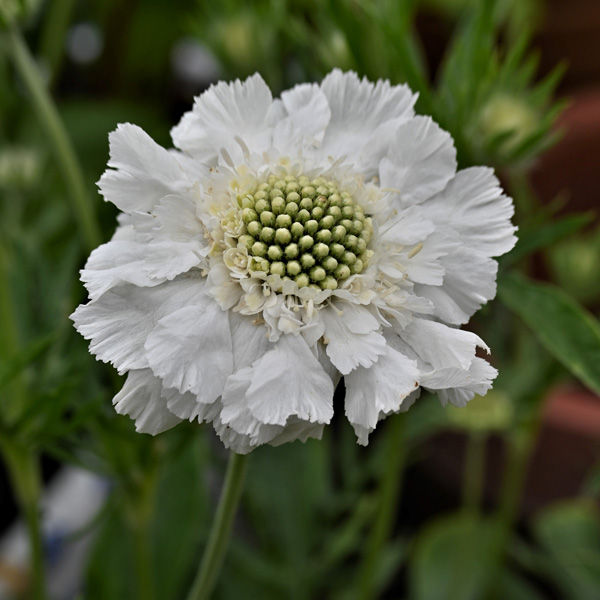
(286, 243)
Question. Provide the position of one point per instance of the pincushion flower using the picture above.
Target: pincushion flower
(286, 243)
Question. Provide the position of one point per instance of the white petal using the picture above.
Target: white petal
(357, 318)
(469, 282)
(364, 117)
(427, 265)
(459, 386)
(145, 171)
(473, 206)
(307, 117)
(119, 322)
(222, 113)
(116, 262)
(349, 350)
(289, 381)
(186, 406)
(249, 340)
(421, 161)
(441, 346)
(296, 429)
(190, 350)
(141, 400)
(378, 390)
(406, 227)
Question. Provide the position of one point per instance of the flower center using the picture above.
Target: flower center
(304, 230)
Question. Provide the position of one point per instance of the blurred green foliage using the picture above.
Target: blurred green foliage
(308, 510)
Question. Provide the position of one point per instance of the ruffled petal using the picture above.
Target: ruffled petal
(379, 390)
(118, 323)
(420, 162)
(441, 346)
(141, 400)
(474, 208)
(469, 282)
(364, 117)
(187, 407)
(289, 381)
(349, 350)
(190, 350)
(306, 120)
(224, 112)
(145, 172)
(458, 386)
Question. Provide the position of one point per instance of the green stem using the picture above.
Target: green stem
(143, 562)
(388, 494)
(219, 535)
(474, 472)
(57, 135)
(56, 22)
(24, 472)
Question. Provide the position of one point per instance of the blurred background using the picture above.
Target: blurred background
(495, 501)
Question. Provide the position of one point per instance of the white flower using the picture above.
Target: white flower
(287, 243)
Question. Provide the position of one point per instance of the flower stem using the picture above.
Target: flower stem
(57, 135)
(474, 472)
(388, 493)
(24, 472)
(221, 528)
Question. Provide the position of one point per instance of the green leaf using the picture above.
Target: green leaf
(544, 235)
(563, 327)
(453, 559)
(570, 533)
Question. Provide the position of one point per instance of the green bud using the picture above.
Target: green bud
(291, 209)
(357, 227)
(267, 234)
(348, 258)
(307, 261)
(347, 223)
(306, 242)
(323, 235)
(321, 250)
(348, 212)
(335, 200)
(311, 226)
(283, 221)
(335, 212)
(361, 245)
(302, 280)
(306, 203)
(278, 268)
(358, 266)
(281, 184)
(317, 273)
(293, 268)
(292, 186)
(262, 205)
(317, 212)
(246, 240)
(278, 205)
(308, 191)
(322, 191)
(275, 253)
(267, 218)
(329, 263)
(249, 215)
(350, 242)
(342, 272)
(297, 230)
(261, 195)
(275, 193)
(293, 197)
(259, 249)
(291, 251)
(254, 228)
(246, 201)
(337, 250)
(303, 216)
(338, 233)
(329, 283)
(327, 222)
(283, 236)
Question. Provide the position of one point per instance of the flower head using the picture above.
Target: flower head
(287, 243)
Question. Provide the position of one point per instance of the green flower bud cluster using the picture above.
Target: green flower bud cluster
(305, 230)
